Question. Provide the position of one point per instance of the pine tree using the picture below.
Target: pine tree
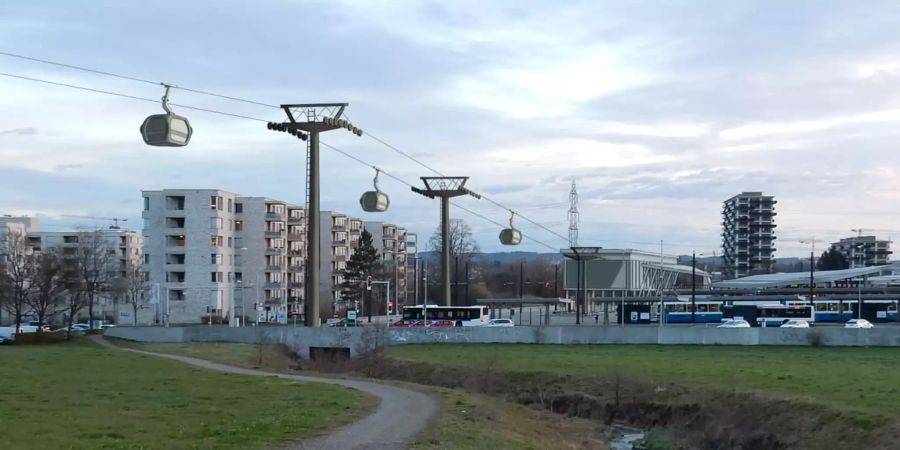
(832, 259)
(363, 263)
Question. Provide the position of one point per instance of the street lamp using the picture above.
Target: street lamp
(812, 267)
(582, 255)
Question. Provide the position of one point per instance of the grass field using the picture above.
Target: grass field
(863, 378)
(79, 395)
(466, 421)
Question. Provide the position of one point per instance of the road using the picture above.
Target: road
(401, 415)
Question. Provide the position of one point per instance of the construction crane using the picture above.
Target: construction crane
(115, 220)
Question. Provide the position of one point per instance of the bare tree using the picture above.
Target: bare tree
(19, 269)
(74, 302)
(47, 287)
(129, 286)
(462, 244)
(94, 259)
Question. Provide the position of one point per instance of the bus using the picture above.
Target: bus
(444, 316)
(769, 315)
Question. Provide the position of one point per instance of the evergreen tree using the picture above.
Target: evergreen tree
(832, 260)
(363, 263)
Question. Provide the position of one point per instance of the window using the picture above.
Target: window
(230, 242)
(215, 258)
(216, 241)
(212, 202)
(216, 223)
(238, 225)
(146, 203)
(230, 203)
(146, 258)
(238, 276)
(238, 207)
(146, 276)
(216, 277)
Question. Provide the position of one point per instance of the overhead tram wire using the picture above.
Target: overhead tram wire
(240, 116)
(197, 91)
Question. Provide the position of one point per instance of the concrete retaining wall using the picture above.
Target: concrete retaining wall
(359, 340)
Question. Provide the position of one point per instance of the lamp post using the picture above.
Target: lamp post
(694, 256)
(812, 267)
(581, 255)
(445, 188)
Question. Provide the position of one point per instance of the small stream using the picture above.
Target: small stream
(625, 438)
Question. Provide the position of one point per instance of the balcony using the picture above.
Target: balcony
(296, 220)
(296, 237)
(272, 285)
(274, 216)
(275, 234)
(177, 249)
(295, 285)
(300, 253)
(295, 269)
(339, 257)
(275, 251)
(338, 242)
(336, 227)
(274, 267)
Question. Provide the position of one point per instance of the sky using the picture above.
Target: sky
(658, 111)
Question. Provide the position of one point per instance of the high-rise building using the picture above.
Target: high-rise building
(211, 252)
(864, 251)
(748, 234)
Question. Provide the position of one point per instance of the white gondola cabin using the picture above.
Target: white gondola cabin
(375, 201)
(166, 130)
(510, 236)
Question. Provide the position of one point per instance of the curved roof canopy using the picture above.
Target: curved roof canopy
(795, 278)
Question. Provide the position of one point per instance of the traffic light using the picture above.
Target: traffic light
(369, 283)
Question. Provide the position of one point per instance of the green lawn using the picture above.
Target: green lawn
(466, 421)
(862, 378)
(79, 395)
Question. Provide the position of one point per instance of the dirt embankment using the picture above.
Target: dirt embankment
(702, 417)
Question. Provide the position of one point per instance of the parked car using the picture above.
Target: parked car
(858, 323)
(107, 325)
(500, 323)
(734, 323)
(7, 334)
(795, 323)
(345, 323)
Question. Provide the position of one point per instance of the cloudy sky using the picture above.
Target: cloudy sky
(658, 110)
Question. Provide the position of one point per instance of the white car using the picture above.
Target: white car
(734, 323)
(795, 323)
(500, 323)
(858, 323)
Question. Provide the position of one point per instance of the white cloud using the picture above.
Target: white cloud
(762, 129)
(576, 153)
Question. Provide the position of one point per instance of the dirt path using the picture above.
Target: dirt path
(401, 415)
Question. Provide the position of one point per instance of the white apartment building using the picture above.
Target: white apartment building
(212, 252)
(864, 251)
(122, 245)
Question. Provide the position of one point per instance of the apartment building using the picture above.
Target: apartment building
(864, 251)
(212, 252)
(748, 234)
(390, 241)
(122, 246)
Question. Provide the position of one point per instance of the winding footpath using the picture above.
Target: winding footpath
(401, 415)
